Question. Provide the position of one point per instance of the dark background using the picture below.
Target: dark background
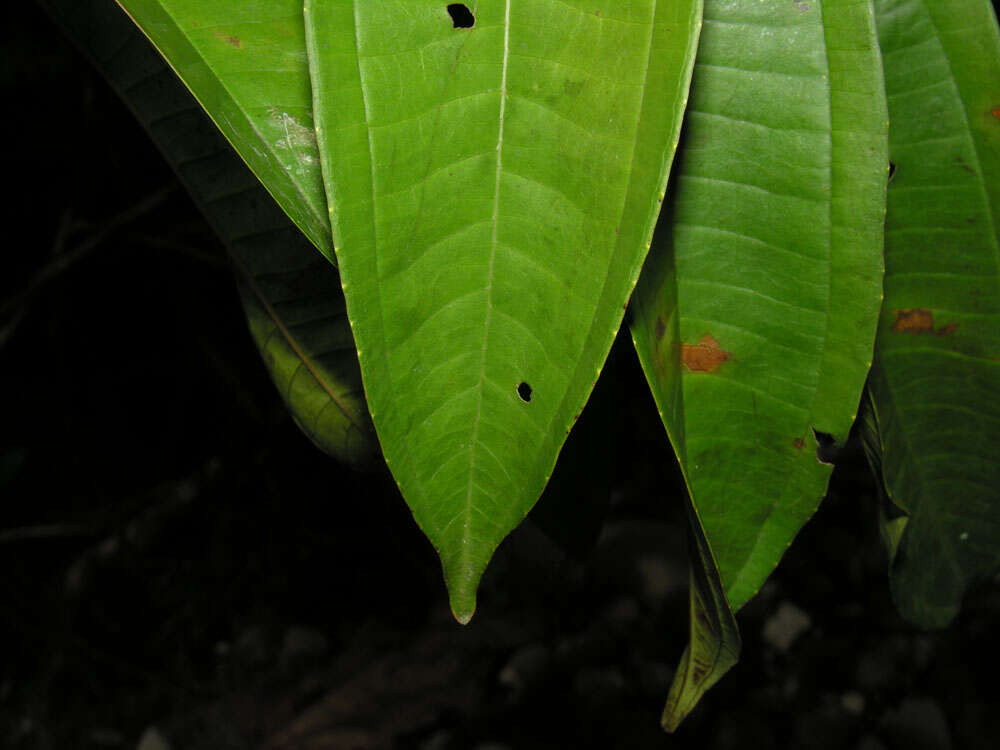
(175, 554)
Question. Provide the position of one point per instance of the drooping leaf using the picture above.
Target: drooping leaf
(715, 643)
(298, 320)
(755, 315)
(245, 62)
(291, 294)
(935, 385)
(493, 189)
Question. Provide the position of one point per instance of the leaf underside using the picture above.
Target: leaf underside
(755, 315)
(246, 65)
(492, 193)
(935, 385)
(291, 294)
(715, 643)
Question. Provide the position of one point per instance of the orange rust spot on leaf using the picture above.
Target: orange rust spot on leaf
(705, 356)
(230, 39)
(799, 444)
(996, 112)
(920, 321)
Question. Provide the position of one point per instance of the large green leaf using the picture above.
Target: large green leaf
(936, 380)
(755, 316)
(493, 192)
(291, 294)
(245, 62)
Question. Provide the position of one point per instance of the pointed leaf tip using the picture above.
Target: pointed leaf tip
(464, 617)
(462, 581)
(463, 602)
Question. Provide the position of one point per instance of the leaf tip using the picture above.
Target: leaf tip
(462, 596)
(464, 617)
(463, 605)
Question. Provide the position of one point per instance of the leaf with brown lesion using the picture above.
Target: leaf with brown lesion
(705, 356)
(917, 320)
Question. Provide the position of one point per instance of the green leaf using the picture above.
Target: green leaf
(755, 316)
(715, 636)
(936, 382)
(298, 321)
(291, 294)
(493, 191)
(246, 64)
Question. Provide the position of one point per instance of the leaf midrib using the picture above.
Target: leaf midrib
(306, 361)
(466, 526)
(467, 511)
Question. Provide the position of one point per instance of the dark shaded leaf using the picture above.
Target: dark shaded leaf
(291, 294)
(935, 386)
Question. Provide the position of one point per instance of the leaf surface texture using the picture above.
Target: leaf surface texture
(935, 386)
(756, 312)
(492, 194)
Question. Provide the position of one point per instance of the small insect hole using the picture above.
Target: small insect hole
(461, 16)
(892, 170)
(524, 391)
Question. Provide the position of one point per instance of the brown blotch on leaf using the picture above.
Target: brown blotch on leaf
(996, 112)
(705, 356)
(799, 444)
(699, 673)
(702, 617)
(230, 39)
(917, 320)
(661, 327)
(913, 321)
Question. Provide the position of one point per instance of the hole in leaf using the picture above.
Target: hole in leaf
(826, 447)
(461, 16)
(892, 170)
(524, 391)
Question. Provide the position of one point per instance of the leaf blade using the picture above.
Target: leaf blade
(744, 365)
(468, 166)
(936, 380)
(755, 315)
